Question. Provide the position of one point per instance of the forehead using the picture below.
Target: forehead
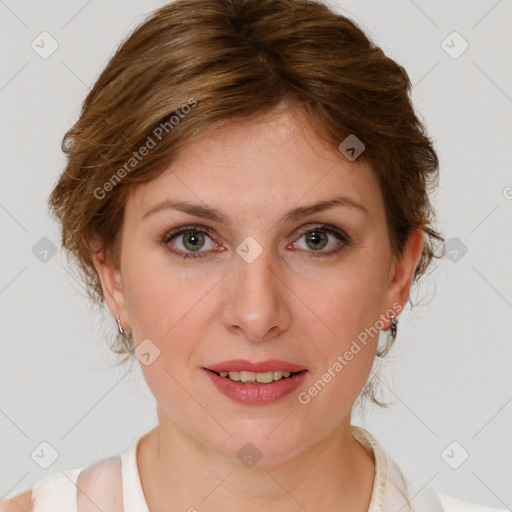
(268, 164)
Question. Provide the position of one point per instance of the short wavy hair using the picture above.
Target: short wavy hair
(223, 60)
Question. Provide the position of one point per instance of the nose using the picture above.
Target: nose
(257, 298)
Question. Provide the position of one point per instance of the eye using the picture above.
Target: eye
(190, 238)
(317, 238)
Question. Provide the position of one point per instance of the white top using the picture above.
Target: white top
(114, 484)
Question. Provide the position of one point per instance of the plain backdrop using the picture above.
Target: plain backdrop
(450, 380)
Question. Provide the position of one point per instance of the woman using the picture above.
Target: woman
(247, 190)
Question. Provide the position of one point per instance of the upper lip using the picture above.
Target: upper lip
(236, 365)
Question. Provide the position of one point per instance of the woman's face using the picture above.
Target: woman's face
(259, 287)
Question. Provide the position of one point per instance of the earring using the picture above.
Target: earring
(393, 327)
(121, 330)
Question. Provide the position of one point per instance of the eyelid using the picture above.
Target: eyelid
(327, 228)
(172, 233)
(339, 233)
(210, 231)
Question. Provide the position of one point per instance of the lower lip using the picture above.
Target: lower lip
(256, 394)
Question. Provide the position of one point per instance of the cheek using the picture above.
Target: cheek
(348, 300)
(154, 291)
(149, 300)
(341, 334)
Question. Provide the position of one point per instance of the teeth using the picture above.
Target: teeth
(263, 378)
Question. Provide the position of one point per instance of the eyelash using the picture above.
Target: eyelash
(339, 234)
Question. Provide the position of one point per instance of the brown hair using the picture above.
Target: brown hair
(196, 64)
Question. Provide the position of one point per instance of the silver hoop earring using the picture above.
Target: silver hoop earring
(121, 330)
(393, 327)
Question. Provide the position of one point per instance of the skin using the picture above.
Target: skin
(287, 305)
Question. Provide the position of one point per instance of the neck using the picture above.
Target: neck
(179, 473)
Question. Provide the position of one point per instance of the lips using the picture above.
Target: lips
(240, 365)
(256, 393)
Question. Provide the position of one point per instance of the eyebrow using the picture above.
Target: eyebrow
(295, 214)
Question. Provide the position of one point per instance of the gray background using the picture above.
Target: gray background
(450, 377)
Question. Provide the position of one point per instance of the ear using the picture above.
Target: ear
(111, 284)
(402, 271)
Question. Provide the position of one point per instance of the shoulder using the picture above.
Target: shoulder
(452, 504)
(426, 501)
(102, 485)
(73, 489)
(20, 502)
(45, 495)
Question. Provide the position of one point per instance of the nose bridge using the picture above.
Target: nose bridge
(254, 267)
(257, 302)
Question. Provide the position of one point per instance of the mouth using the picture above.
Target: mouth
(256, 383)
(243, 365)
(262, 372)
(246, 377)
